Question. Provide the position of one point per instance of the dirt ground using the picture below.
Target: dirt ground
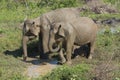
(37, 67)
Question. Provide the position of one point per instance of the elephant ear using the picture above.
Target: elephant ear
(25, 25)
(61, 31)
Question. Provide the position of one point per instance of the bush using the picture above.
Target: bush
(77, 72)
(54, 4)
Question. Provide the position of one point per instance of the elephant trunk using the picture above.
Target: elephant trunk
(24, 43)
(52, 42)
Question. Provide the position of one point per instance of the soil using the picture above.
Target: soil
(37, 67)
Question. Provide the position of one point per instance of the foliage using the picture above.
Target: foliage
(113, 2)
(54, 4)
(10, 68)
(12, 15)
(107, 38)
(12, 11)
(69, 73)
(92, 15)
(10, 38)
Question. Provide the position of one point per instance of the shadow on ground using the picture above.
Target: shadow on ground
(32, 51)
(80, 51)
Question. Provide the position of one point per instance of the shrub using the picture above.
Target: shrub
(54, 4)
(77, 72)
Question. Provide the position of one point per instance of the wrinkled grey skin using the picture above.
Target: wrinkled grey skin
(44, 22)
(81, 31)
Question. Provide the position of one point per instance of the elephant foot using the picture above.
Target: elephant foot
(24, 58)
(62, 61)
(68, 62)
(90, 57)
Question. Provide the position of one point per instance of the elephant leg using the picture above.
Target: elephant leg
(40, 48)
(61, 55)
(24, 43)
(91, 50)
(69, 47)
(45, 39)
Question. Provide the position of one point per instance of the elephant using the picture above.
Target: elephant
(40, 26)
(82, 31)
(29, 33)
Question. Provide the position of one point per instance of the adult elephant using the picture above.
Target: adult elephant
(41, 26)
(81, 31)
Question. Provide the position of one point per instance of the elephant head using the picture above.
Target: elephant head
(31, 30)
(56, 37)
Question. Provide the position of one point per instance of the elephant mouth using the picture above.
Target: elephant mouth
(32, 37)
(31, 34)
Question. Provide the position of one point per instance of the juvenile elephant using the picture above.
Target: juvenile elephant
(81, 31)
(30, 31)
(41, 26)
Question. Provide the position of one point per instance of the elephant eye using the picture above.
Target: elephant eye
(33, 22)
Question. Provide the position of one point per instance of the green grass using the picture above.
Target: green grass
(11, 66)
(11, 37)
(99, 16)
(69, 73)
